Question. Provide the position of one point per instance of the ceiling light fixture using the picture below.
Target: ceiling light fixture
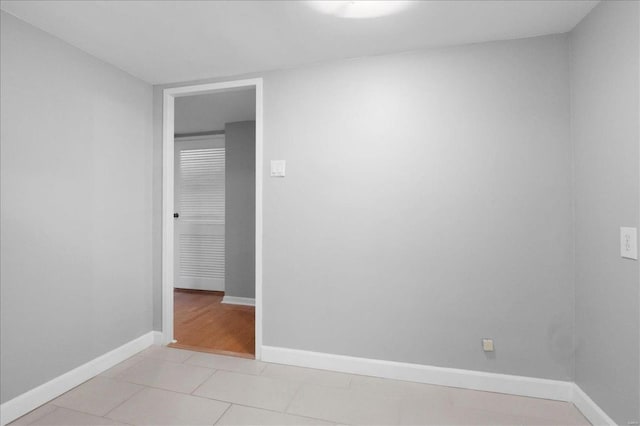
(359, 9)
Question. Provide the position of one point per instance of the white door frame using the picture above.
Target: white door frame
(168, 117)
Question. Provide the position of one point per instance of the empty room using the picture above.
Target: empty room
(319, 212)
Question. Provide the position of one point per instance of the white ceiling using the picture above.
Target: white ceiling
(171, 41)
(203, 113)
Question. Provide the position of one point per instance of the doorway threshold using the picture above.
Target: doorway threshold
(210, 351)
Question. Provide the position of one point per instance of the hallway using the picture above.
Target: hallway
(203, 323)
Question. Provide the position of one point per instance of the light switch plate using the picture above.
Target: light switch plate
(629, 243)
(278, 168)
(487, 345)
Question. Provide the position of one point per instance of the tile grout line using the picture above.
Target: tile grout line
(122, 379)
(179, 393)
(55, 408)
(145, 387)
(184, 361)
(79, 412)
(142, 388)
(123, 371)
(203, 382)
(298, 386)
(223, 413)
(52, 401)
(232, 371)
(293, 397)
(167, 390)
(280, 412)
(349, 385)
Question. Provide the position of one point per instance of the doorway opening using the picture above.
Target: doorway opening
(212, 218)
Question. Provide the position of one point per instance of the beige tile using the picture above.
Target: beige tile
(98, 396)
(166, 375)
(425, 412)
(239, 416)
(344, 406)
(65, 417)
(116, 370)
(480, 417)
(167, 354)
(245, 389)
(420, 404)
(414, 413)
(513, 404)
(532, 421)
(489, 418)
(400, 389)
(34, 415)
(160, 407)
(307, 375)
(227, 363)
(577, 418)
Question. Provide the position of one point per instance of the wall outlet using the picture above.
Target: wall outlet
(629, 243)
(487, 345)
(278, 168)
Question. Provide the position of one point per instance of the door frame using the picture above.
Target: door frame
(168, 130)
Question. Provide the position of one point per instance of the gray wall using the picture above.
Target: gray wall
(75, 207)
(427, 200)
(240, 209)
(203, 113)
(605, 130)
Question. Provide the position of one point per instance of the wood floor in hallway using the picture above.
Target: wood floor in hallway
(203, 323)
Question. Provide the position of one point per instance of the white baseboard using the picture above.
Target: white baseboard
(590, 409)
(30, 400)
(492, 382)
(233, 300)
(158, 338)
(469, 379)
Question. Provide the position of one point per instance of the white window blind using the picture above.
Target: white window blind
(202, 256)
(202, 184)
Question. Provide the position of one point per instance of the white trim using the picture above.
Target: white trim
(259, 162)
(157, 338)
(479, 380)
(168, 117)
(590, 409)
(233, 300)
(30, 400)
(167, 217)
(492, 382)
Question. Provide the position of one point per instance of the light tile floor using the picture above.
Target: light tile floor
(165, 386)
